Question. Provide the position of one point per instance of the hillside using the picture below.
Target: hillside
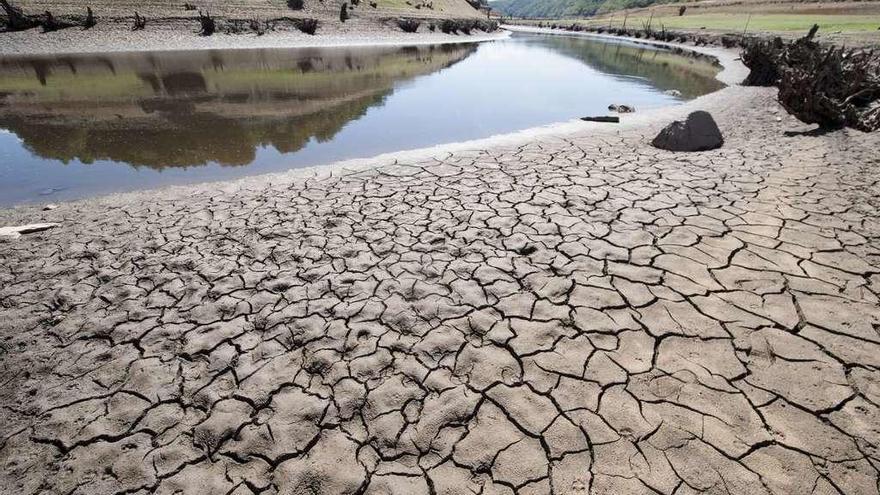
(776, 15)
(564, 8)
(250, 9)
(844, 23)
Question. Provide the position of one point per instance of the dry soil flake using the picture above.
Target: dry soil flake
(19, 230)
(569, 316)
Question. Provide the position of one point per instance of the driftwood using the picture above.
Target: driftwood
(90, 19)
(208, 25)
(610, 120)
(50, 23)
(139, 22)
(15, 19)
(825, 85)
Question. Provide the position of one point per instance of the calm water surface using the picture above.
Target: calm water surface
(77, 126)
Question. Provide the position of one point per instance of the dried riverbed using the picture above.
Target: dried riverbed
(576, 313)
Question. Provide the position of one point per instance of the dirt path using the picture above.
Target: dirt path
(570, 315)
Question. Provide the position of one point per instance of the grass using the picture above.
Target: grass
(757, 23)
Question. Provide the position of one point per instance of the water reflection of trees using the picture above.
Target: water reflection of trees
(693, 76)
(185, 109)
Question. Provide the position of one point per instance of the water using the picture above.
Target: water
(76, 126)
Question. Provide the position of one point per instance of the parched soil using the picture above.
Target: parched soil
(580, 314)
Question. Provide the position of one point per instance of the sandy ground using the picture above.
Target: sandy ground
(111, 38)
(566, 311)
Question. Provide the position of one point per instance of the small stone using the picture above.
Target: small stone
(698, 133)
(672, 92)
(50, 207)
(621, 108)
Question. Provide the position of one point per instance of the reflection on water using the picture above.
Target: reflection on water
(183, 109)
(81, 125)
(665, 69)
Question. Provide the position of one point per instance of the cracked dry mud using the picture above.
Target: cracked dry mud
(573, 315)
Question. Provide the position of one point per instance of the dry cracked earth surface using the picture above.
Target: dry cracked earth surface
(573, 315)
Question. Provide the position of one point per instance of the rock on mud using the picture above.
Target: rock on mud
(621, 108)
(698, 133)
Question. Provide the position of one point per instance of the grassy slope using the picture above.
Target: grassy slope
(563, 8)
(749, 22)
(844, 22)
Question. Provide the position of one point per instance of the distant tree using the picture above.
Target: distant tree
(343, 13)
(681, 10)
(295, 4)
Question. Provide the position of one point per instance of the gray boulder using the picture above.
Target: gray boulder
(698, 133)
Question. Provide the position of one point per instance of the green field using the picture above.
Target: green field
(755, 22)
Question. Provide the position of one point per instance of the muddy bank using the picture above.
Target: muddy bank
(183, 35)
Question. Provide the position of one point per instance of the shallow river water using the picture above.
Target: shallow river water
(75, 126)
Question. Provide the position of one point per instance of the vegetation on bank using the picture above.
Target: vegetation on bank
(830, 86)
(735, 23)
(16, 20)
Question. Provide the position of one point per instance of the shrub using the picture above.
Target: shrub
(50, 23)
(139, 22)
(208, 24)
(261, 27)
(90, 19)
(487, 26)
(16, 20)
(681, 10)
(409, 25)
(295, 4)
(448, 26)
(189, 6)
(343, 13)
(308, 26)
(466, 26)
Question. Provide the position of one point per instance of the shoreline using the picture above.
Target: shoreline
(98, 40)
(733, 71)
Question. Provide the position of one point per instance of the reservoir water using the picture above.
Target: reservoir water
(82, 125)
